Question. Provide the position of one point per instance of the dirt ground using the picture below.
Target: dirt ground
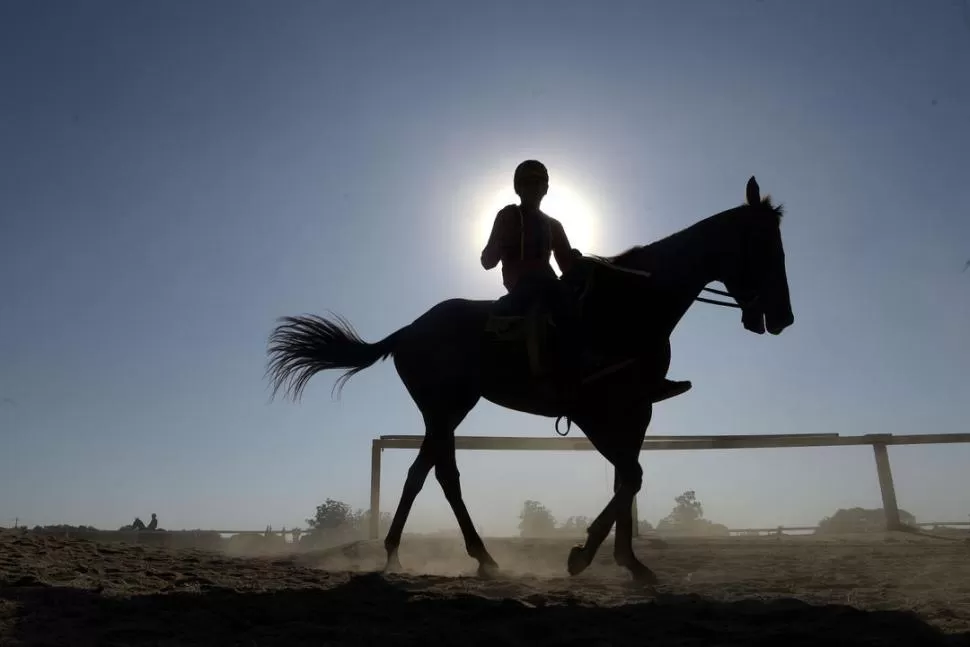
(872, 590)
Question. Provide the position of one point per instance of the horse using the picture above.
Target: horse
(629, 304)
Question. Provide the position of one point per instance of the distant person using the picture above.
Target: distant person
(153, 524)
(523, 238)
(138, 524)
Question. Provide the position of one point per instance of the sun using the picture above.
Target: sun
(563, 202)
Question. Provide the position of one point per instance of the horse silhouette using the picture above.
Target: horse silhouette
(454, 354)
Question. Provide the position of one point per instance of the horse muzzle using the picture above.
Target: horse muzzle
(753, 320)
(758, 322)
(776, 323)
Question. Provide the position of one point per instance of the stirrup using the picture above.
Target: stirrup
(569, 424)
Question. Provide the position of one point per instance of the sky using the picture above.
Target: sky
(176, 176)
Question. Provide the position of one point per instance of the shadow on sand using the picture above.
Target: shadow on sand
(368, 609)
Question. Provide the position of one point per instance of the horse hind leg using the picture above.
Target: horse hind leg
(417, 474)
(442, 415)
(446, 471)
(445, 388)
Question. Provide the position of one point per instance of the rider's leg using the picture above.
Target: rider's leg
(573, 349)
(516, 301)
(571, 342)
(665, 389)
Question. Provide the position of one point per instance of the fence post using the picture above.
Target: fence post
(636, 519)
(886, 487)
(375, 489)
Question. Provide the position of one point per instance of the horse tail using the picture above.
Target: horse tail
(301, 347)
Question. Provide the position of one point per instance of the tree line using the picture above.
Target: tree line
(335, 522)
(687, 518)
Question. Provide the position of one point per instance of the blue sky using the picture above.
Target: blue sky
(177, 175)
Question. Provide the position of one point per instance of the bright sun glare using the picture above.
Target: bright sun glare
(562, 203)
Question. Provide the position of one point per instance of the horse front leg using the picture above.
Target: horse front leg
(619, 440)
(629, 481)
(581, 556)
(620, 511)
(629, 478)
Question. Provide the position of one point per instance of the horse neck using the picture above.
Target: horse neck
(681, 265)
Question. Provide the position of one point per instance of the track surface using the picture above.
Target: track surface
(885, 590)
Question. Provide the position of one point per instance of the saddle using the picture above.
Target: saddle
(533, 325)
(530, 328)
(512, 327)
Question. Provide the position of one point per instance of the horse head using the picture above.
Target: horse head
(753, 269)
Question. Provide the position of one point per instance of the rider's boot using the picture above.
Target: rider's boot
(670, 388)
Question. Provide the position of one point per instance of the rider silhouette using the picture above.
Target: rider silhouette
(523, 238)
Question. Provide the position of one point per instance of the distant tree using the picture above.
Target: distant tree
(535, 520)
(335, 522)
(332, 515)
(851, 520)
(688, 509)
(644, 526)
(687, 517)
(63, 527)
(575, 525)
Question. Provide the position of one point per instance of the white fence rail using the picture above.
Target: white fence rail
(879, 443)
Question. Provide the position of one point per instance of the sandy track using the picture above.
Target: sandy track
(898, 590)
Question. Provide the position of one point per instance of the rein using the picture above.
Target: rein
(726, 304)
(628, 270)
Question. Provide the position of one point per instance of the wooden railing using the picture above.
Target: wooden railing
(879, 443)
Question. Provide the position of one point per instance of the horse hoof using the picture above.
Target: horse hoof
(393, 565)
(643, 575)
(488, 571)
(577, 561)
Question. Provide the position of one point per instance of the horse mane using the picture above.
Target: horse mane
(619, 260)
(776, 209)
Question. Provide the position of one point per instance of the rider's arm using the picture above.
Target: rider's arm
(492, 253)
(561, 248)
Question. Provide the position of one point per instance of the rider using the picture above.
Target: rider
(523, 237)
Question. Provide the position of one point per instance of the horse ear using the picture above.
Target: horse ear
(753, 192)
